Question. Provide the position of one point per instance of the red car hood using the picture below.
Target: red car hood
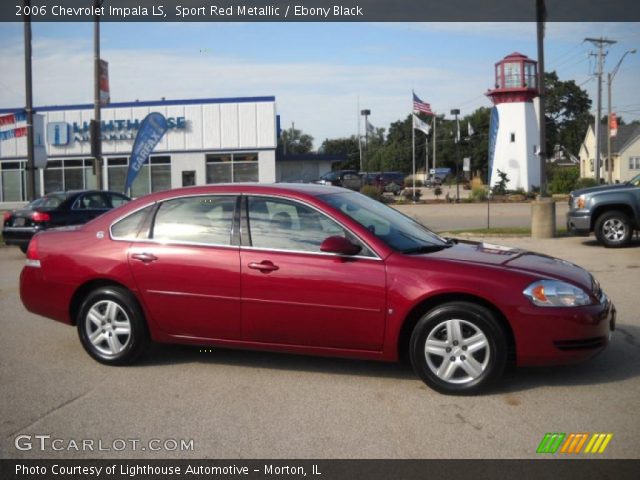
(537, 264)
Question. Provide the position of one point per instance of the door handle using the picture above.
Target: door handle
(264, 266)
(144, 257)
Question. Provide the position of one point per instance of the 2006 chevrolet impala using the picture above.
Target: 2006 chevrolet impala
(316, 270)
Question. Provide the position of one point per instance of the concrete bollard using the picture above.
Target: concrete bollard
(543, 218)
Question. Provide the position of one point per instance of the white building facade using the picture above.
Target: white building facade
(208, 141)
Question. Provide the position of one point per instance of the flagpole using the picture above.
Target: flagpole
(413, 148)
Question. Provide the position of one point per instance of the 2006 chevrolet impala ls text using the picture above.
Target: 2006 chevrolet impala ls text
(315, 270)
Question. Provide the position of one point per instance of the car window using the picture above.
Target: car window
(90, 201)
(50, 201)
(117, 199)
(129, 227)
(286, 225)
(205, 220)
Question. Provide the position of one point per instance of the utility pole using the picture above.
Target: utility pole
(96, 138)
(541, 15)
(31, 169)
(600, 44)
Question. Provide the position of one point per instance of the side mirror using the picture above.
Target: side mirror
(339, 245)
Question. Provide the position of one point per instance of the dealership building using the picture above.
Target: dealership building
(209, 141)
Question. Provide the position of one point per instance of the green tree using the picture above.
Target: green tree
(567, 113)
(347, 146)
(295, 142)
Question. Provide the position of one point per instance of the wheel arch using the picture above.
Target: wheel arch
(611, 207)
(83, 290)
(431, 302)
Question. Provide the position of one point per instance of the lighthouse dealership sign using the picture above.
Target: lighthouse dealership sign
(66, 133)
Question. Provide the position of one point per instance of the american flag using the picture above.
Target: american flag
(420, 106)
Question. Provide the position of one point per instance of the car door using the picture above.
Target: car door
(188, 269)
(294, 294)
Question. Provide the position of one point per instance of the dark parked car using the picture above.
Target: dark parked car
(315, 270)
(56, 210)
(392, 182)
(342, 178)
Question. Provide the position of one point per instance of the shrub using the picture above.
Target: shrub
(411, 194)
(564, 180)
(478, 194)
(585, 183)
(437, 191)
(371, 191)
(500, 188)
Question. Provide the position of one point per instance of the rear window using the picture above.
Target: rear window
(129, 227)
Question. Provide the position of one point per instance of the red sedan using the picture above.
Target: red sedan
(314, 270)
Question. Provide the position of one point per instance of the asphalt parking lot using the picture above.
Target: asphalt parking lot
(236, 404)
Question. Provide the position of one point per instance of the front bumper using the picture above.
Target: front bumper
(578, 222)
(556, 336)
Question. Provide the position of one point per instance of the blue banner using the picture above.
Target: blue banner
(152, 128)
(494, 123)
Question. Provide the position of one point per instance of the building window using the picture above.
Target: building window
(13, 182)
(513, 137)
(634, 163)
(154, 176)
(64, 175)
(232, 167)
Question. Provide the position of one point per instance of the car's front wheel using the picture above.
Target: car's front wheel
(111, 326)
(613, 229)
(458, 348)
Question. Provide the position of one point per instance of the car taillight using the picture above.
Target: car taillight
(40, 217)
(33, 256)
(6, 216)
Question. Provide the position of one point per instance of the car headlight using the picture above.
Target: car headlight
(553, 293)
(579, 202)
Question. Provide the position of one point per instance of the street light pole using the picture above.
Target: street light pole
(366, 112)
(610, 77)
(456, 112)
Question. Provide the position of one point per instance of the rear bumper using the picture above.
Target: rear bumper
(557, 336)
(578, 222)
(46, 298)
(18, 235)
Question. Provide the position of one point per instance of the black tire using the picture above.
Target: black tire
(23, 248)
(448, 372)
(103, 315)
(613, 229)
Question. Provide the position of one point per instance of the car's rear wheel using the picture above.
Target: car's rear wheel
(458, 348)
(111, 326)
(613, 229)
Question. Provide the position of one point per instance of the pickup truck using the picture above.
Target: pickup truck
(612, 212)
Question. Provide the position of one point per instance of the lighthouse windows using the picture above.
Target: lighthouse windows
(512, 75)
(513, 137)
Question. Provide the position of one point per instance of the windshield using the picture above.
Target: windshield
(635, 181)
(392, 227)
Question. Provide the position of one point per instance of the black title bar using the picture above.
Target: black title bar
(319, 10)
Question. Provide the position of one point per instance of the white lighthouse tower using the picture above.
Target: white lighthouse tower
(514, 131)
